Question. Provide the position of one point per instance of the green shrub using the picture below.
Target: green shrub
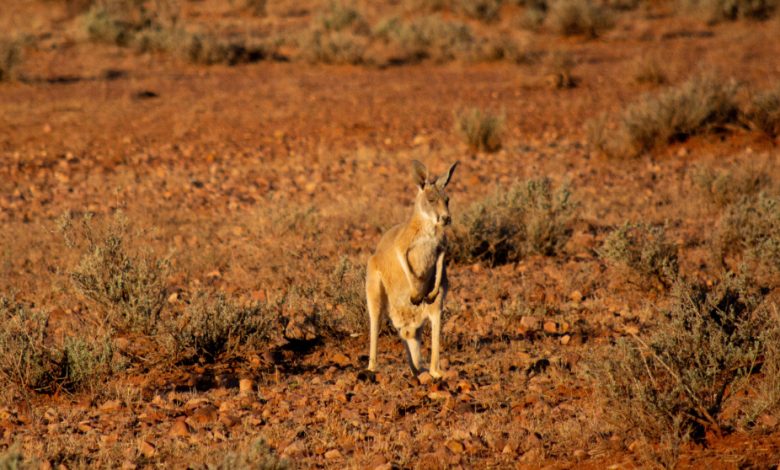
(526, 218)
(10, 58)
(30, 361)
(129, 286)
(675, 384)
(644, 249)
(764, 112)
(212, 326)
(479, 129)
(700, 105)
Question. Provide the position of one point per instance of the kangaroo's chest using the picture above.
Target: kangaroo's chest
(422, 256)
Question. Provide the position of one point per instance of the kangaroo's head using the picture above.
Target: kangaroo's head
(431, 202)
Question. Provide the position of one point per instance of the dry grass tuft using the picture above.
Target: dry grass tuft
(674, 385)
(259, 455)
(427, 37)
(578, 17)
(483, 10)
(723, 188)
(10, 58)
(764, 112)
(526, 218)
(130, 287)
(644, 249)
(702, 104)
(30, 362)
(479, 129)
(212, 326)
(648, 70)
(732, 10)
(751, 227)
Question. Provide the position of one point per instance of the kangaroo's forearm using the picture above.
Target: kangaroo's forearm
(404, 262)
(439, 272)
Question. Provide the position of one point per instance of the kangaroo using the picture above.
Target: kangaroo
(406, 276)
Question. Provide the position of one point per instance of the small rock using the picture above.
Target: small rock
(146, 449)
(179, 429)
(455, 446)
(565, 339)
(439, 395)
(110, 406)
(340, 359)
(425, 378)
(529, 322)
(294, 450)
(333, 454)
(576, 296)
(550, 327)
(246, 386)
(580, 454)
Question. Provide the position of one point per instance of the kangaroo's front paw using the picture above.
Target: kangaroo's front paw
(416, 299)
(431, 297)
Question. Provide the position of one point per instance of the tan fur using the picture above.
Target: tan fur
(406, 276)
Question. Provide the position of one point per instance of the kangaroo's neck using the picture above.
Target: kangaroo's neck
(423, 227)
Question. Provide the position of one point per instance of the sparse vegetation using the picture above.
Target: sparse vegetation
(578, 17)
(702, 104)
(213, 325)
(644, 249)
(257, 7)
(32, 362)
(129, 287)
(428, 37)
(322, 46)
(764, 112)
(526, 218)
(751, 227)
(726, 187)
(259, 456)
(675, 384)
(483, 10)
(648, 70)
(481, 130)
(732, 10)
(10, 57)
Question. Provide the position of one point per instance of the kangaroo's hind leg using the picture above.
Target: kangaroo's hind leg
(374, 297)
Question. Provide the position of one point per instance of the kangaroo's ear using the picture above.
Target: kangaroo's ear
(420, 173)
(441, 183)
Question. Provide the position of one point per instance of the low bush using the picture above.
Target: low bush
(427, 37)
(726, 187)
(732, 10)
(481, 130)
(526, 218)
(10, 58)
(483, 10)
(258, 456)
(644, 249)
(751, 228)
(675, 384)
(32, 362)
(578, 17)
(764, 112)
(128, 285)
(703, 104)
(212, 326)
